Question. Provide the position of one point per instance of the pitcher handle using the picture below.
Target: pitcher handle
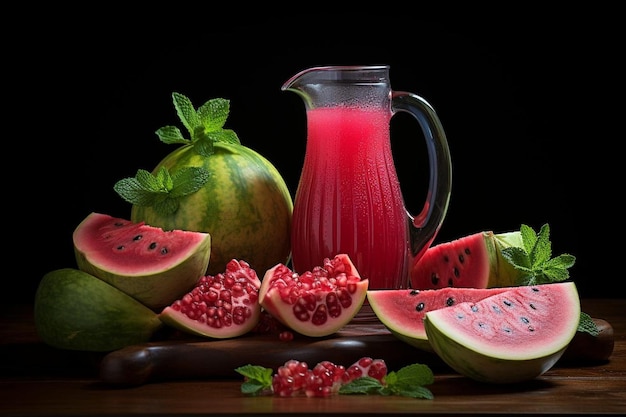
(424, 227)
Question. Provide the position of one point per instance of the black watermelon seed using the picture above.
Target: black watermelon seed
(414, 292)
(450, 301)
(457, 273)
(496, 309)
(531, 329)
(121, 247)
(525, 320)
(474, 308)
(461, 258)
(532, 306)
(535, 289)
(468, 251)
(164, 251)
(507, 303)
(434, 278)
(419, 307)
(507, 330)
(152, 245)
(450, 282)
(446, 259)
(138, 237)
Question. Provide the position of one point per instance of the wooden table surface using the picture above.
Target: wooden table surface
(38, 380)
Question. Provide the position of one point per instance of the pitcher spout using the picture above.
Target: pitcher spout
(332, 85)
(334, 73)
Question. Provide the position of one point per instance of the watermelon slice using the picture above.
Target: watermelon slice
(153, 266)
(403, 311)
(473, 261)
(509, 337)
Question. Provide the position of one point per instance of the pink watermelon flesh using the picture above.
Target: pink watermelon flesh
(403, 311)
(128, 248)
(521, 319)
(463, 262)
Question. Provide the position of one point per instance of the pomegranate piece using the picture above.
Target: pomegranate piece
(315, 303)
(222, 306)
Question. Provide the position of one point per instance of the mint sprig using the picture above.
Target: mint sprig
(205, 125)
(163, 190)
(258, 380)
(535, 260)
(409, 381)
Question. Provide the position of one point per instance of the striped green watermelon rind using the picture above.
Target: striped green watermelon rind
(510, 337)
(403, 311)
(473, 261)
(245, 206)
(74, 310)
(151, 265)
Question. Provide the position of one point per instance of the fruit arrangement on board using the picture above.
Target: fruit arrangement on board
(205, 252)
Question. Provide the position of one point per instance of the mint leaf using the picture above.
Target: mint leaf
(518, 257)
(363, 385)
(186, 113)
(587, 325)
(188, 180)
(224, 136)
(257, 379)
(410, 380)
(212, 115)
(529, 237)
(407, 382)
(412, 375)
(542, 248)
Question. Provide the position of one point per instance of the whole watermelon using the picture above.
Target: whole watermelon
(213, 184)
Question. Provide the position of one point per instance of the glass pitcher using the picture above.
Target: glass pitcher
(348, 198)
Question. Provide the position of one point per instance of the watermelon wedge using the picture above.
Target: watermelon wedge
(509, 337)
(472, 261)
(153, 266)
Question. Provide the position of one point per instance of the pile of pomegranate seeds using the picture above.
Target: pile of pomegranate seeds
(325, 379)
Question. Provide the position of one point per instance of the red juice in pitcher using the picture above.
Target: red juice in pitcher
(349, 199)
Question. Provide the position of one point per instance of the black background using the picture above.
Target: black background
(530, 107)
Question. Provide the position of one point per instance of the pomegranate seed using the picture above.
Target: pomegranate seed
(285, 336)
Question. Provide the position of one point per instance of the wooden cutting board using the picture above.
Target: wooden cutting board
(201, 358)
